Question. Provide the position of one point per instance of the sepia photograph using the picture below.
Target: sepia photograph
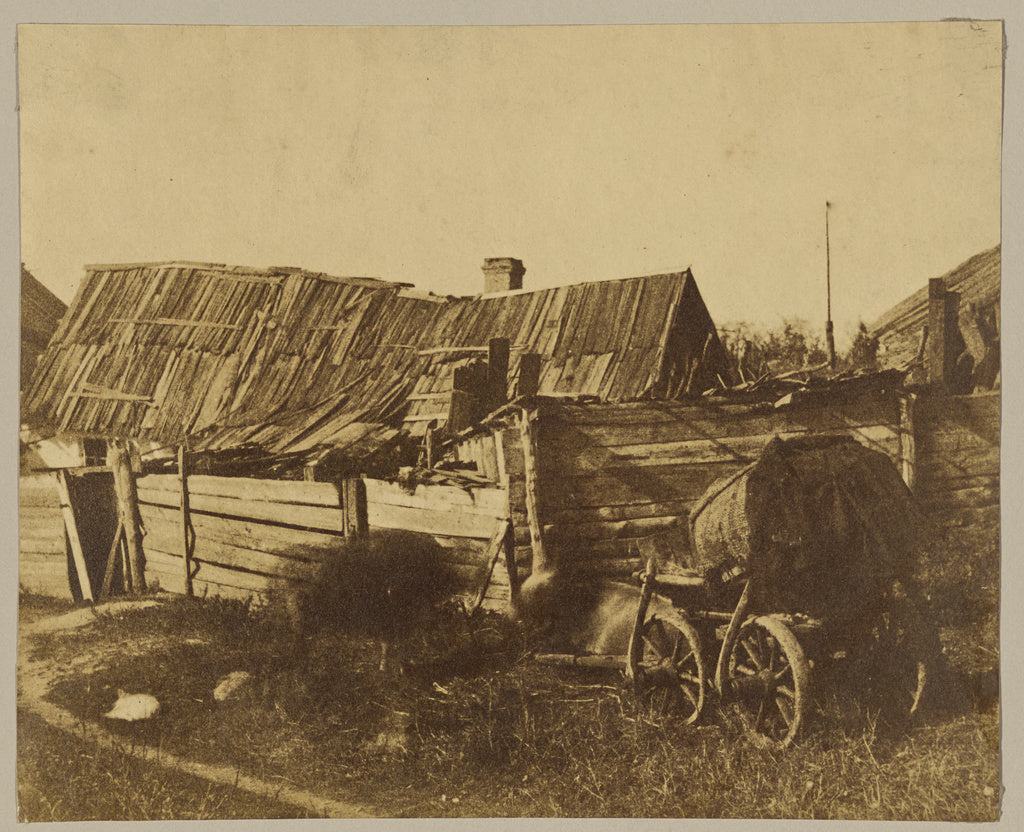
(508, 421)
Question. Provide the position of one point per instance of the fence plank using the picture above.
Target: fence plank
(490, 502)
(244, 488)
(311, 517)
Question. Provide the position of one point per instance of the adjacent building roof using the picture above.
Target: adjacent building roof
(41, 311)
(293, 362)
(899, 331)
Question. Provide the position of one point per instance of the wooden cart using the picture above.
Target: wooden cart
(719, 635)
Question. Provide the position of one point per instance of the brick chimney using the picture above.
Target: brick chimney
(503, 274)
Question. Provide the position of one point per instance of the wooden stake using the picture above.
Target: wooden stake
(494, 549)
(72, 529)
(115, 548)
(187, 532)
(128, 509)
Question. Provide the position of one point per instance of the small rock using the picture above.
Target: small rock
(231, 685)
(132, 707)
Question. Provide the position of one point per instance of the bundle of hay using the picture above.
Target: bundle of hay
(821, 524)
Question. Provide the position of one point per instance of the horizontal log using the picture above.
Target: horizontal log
(981, 517)
(319, 518)
(167, 562)
(629, 486)
(629, 511)
(279, 540)
(38, 497)
(609, 529)
(679, 421)
(175, 583)
(168, 539)
(40, 515)
(955, 466)
(449, 523)
(572, 660)
(972, 497)
(42, 545)
(580, 453)
(243, 488)
(490, 502)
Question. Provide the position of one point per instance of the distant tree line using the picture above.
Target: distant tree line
(795, 345)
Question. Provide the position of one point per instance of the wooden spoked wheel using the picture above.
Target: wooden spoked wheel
(667, 666)
(769, 678)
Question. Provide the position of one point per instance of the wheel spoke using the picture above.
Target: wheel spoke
(786, 709)
(690, 694)
(755, 655)
(655, 648)
(689, 677)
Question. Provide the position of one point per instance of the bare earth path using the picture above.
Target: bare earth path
(36, 676)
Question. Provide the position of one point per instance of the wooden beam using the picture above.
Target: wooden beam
(542, 564)
(108, 575)
(494, 549)
(72, 529)
(497, 373)
(908, 448)
(187, 534)
(173, 322)
(529, 374)
(128, 510)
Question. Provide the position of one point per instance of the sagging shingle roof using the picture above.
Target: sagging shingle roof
(291, 361)
(41, 312)
(899, 331)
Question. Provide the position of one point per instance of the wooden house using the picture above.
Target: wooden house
(949, 328)
(41, 312)
(288, 374)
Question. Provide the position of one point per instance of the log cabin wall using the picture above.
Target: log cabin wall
(43, 562)
(617, 481)
(957, 461)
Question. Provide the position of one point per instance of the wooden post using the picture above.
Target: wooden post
(943, 313)
(497, 373)
(908, 451)
(128, 511)
(461, 405)
(529, 375)
(108, 575)
(72, 529)
(428, 444)
(353, 496)
(186, 520)
(542, 566)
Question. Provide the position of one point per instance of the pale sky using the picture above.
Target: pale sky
(589, 152)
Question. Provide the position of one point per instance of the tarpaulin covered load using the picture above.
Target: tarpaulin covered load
(821, 524)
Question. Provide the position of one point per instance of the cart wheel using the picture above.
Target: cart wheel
(769, 676)
(668, 668)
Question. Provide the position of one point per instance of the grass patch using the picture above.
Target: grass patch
(485, 732)
(62, 777)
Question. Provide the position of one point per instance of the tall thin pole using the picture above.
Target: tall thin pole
(830, 338)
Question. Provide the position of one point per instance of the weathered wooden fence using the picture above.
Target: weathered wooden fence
(470, 523)
(43, 563)
(254, 536)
